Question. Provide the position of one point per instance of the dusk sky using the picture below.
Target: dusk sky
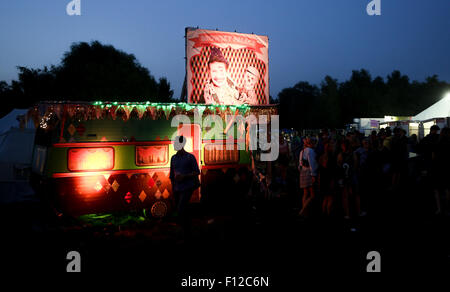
(308, 39)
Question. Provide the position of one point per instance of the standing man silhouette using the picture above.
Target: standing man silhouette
(184, 174)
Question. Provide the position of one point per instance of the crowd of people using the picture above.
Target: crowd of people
(341, 173)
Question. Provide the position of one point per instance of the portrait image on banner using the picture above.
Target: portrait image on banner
(227, 68)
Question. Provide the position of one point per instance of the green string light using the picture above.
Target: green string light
(244, 108)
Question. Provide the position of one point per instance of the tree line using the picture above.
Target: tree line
(88, 71)
(95, 71)
(334, 104)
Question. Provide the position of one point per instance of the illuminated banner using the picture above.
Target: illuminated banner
(227, 68)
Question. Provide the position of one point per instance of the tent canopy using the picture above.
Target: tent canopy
(16, 146)
(440, 109)
(10, 120)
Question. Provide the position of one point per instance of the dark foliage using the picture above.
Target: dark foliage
(88, 71)
(335, 104)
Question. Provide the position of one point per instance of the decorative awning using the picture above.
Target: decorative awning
(47, 112)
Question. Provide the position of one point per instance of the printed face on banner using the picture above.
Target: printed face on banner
(227, 68)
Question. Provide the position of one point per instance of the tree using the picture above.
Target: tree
(330, 102)
(165, 94)
(398, 94)
(88, 71)
(356, 95)
(100, 72)
(298, 105)
(336, 104)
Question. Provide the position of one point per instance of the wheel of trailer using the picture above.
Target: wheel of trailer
(159, 209)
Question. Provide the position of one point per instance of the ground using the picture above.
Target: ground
(265, 239)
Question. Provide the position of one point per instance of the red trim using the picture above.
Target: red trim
(102, 144)
(95, 173)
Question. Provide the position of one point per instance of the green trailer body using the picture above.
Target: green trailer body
(98, 158)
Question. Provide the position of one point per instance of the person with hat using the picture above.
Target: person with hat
(219, 89)
(247, 92)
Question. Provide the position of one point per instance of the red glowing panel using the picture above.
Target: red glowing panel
(91, 158)
(221, 154)
(152, 155)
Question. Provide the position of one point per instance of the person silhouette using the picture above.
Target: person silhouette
(184, 174)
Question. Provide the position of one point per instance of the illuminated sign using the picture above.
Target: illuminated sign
(227, 68)
(152, 155)
(90, 158)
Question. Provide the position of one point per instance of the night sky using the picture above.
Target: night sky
(308, 39)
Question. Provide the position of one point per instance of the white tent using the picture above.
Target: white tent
(10, 120)
(16, 152)
(16, 146)
(440, 109)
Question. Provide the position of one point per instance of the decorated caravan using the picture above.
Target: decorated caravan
(104, 157)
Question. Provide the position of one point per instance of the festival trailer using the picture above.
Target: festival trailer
(101, 157)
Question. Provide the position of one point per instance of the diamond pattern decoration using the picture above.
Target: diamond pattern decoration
(115, 185)
(98, 186)
(151, 182)
(81, 129)
(165, 194)
(142, 196)
(158, 194)
(71, 129)
(128, 197)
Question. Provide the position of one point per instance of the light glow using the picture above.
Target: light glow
(152, 155)
(91, 158)
(98, 186)
(447, 96)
